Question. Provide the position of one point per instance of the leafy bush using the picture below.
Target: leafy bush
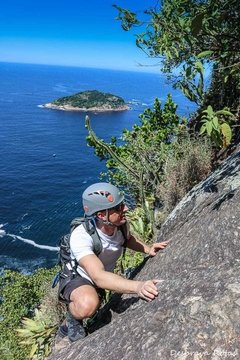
(137, 163)
(127, 262)
(191, 38)
(187, 36)
(142, 222)
(216, 127)
(20, 295)
(39, 331)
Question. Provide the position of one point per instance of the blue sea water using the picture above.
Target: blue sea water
(45, 162)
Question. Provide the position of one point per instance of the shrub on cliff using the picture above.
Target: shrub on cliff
(158, 162)
(188, 162)
(137, 161)
(20, 294)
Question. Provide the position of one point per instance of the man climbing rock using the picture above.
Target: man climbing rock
(105, 210)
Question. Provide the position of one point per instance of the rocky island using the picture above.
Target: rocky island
(90, 100)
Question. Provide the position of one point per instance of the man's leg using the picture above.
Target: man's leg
(84, 302)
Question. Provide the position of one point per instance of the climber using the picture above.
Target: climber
(105, 210)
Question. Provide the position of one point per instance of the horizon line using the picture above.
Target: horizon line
(85, 67)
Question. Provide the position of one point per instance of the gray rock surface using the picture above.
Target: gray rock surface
(197, 313)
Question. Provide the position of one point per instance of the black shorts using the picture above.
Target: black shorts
(67, 285)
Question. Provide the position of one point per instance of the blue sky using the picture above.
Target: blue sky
(73, 32)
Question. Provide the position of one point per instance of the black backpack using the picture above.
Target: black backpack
(64, 256)
(69, 265)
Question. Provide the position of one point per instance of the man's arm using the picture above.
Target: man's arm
(137, 245)
(147, 290)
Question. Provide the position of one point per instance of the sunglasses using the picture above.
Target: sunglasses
(119, 207)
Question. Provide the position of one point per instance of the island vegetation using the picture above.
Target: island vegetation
(90, 100)
(162, 157)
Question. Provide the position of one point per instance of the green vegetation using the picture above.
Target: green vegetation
(157, 162)
(39, 332)
(91, 99)
(189, 37)
(216, 127)
(137, 163)
(186, 35)
(20, 296)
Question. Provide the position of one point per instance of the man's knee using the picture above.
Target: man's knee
(84, 303)
(88, 307)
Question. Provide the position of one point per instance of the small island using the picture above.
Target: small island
(90, 100)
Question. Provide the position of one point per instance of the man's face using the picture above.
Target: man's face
(117, 214)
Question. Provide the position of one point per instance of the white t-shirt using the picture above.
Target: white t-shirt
(81, 244)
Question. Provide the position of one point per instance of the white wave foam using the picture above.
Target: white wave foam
(26, 227)
(27, 241)
(24, 215)
(2, 232)
(33, 243)
(134, 102)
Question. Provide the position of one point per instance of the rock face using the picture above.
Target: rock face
(197, 312)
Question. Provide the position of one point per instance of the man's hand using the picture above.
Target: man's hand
(147, 290)
(156, 247)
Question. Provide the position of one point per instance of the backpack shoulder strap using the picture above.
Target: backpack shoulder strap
(75, 223)
(125, 231)
(91, 230)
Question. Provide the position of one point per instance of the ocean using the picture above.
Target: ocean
(45, 161)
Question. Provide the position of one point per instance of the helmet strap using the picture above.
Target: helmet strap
(106, 222)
